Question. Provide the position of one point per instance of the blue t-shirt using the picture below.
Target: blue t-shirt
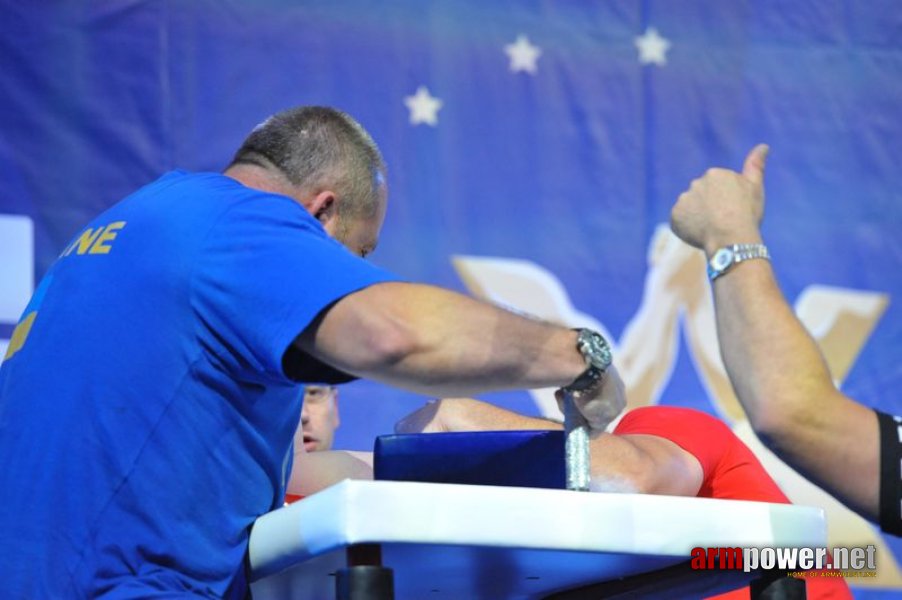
(146, 416)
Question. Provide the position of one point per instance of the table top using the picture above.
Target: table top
(464, 541)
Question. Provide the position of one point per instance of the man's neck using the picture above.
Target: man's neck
(263, 179)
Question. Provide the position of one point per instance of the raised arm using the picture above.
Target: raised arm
(619, 463)
(777, 370)
(441, 343)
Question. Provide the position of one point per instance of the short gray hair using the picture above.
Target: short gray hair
(320, 147)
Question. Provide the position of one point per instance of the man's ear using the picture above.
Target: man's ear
(323, 207)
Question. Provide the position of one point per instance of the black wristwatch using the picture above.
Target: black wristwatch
(597, 354)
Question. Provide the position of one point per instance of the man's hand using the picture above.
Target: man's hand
(723, 207)
(602, 405)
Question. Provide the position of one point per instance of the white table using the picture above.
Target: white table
(471, 542)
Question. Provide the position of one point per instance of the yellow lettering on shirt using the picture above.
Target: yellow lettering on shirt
(20, 333)
(95, 241)
(84, 241)
(102, 245)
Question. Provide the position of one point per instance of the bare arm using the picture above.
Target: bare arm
(620, 463)
(441, 343)
(784, 385)
(775, 366)
(314, 471)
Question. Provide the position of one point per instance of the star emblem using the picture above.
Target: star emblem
(423, 107)
(523, 55)
(652, 48)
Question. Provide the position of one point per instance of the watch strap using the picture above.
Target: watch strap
(725, 258)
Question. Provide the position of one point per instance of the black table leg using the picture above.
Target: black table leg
(782, 588)
(364, 578)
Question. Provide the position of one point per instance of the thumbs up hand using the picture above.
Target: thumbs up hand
(723, 207)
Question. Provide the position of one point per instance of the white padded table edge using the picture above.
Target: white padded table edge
(354, 512)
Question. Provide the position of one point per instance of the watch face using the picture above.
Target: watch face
(596, 349)
(604, 354)
(722, 259)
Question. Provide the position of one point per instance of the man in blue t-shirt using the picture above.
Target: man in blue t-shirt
(162, 354)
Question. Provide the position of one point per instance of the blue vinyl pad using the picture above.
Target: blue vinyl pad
(503, 458)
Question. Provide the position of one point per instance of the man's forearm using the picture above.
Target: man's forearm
(774, 364)
(468, 414)
(441, 343)
(783, 383)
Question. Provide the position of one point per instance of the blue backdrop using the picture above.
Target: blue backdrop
(555, 133)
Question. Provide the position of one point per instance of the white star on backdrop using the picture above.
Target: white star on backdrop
(423, 107)
(523, 55)
(652, 47)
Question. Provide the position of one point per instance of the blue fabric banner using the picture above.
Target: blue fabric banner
(534, 149)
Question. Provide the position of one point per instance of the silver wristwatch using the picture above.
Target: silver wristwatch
(597, 353)
(722, 260)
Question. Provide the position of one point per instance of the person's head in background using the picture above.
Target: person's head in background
(319, 418)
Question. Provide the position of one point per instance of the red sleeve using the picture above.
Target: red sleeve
(699, 434)
(731, 470)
